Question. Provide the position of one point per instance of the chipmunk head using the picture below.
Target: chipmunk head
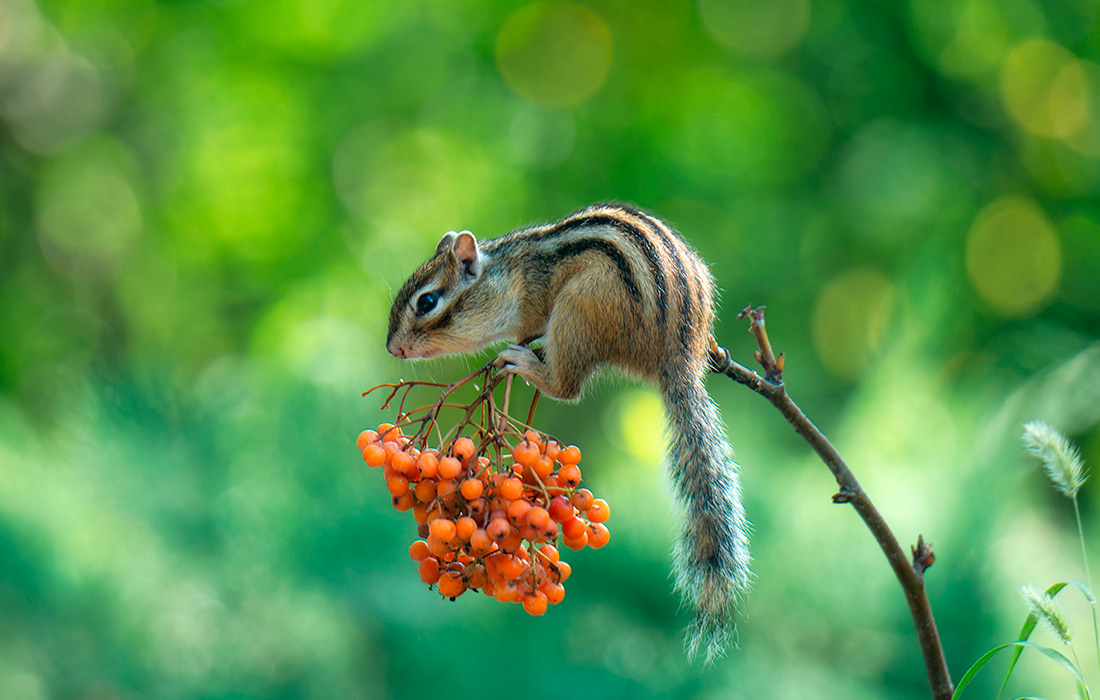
(433, 312)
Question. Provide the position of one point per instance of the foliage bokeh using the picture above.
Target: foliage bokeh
(204, 207)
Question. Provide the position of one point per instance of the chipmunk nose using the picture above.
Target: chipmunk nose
(397, 351)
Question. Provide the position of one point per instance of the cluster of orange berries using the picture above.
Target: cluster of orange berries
(491, 529)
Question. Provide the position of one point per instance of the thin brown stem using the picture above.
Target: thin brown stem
(911, 580)
(534, 404)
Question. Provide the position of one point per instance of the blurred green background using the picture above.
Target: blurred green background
(206, 206)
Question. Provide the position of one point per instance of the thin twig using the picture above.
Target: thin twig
(912, 581)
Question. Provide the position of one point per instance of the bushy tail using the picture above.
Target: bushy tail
(711, 556)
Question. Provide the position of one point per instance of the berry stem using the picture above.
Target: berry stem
(939, 677)
(534, 403)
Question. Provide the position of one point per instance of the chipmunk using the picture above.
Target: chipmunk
(607, 285)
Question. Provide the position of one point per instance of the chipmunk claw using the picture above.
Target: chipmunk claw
(517, 359)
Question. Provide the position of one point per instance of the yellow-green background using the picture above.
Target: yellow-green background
(206, 206)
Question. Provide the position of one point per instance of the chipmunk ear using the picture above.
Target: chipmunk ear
(466, 250)
(446, 242)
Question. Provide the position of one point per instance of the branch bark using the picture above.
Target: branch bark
(910, 574)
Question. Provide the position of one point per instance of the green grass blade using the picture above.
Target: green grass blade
(1084, 591)
(1045, 651)
(1025, 632)
(1029, 625)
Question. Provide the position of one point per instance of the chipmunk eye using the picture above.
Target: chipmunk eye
(426, 302)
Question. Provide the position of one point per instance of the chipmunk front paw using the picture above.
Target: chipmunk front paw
(519, 359)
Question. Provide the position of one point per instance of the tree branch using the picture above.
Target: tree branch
(910, 573)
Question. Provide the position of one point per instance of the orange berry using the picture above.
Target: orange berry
(429, 570)
(472, 488)
(537, 517)
(543, 467)
(570, 455)
(598, 535)
(560, 509)
(402, 462)
(420, 513)
(555, 592)
(499, 529)
(476, 577)
(445, 488)
(569, 475)
(574, 527)
(439, 550)
(512, 567)
(576, 543)
(403, 502)
(480, 542)
(533, 437)
(367, 437)
(507, 592)
(476, 507)
(511, 489)
(549, 531)
(517, 511)
(398, 485)
(391, 449)
(464, 528)
(513, 541)
(374, 455)
(528, 533)
(525, 453)
(564, 570)
(599, 512)
(443, 529)
(387, 431)
(449, 468)
(463, 449)
(425, 491)
(552, 449)
(418, 551)
(549, 553)
(451, 585)
(583, 499)
(535, 603)
(428, 465)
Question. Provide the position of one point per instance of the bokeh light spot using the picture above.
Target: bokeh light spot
(244, 189)
(86, 205)
(752, 127)
(1013, 257)
(419, 181)
(542, 139)
(314, 28)
(760, 29)
(979, 39)
(55, 103)
(893, 180)
(850, 319)
(1086, 141)
(641, 426)
(555, 54)
(1045, 89)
